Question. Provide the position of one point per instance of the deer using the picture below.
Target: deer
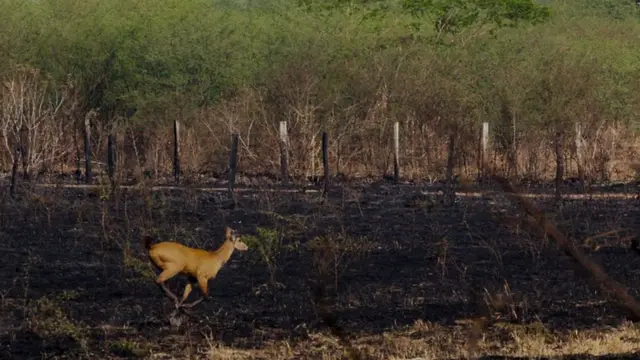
(199, 265)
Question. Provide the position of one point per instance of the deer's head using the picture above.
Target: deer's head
(234, 237)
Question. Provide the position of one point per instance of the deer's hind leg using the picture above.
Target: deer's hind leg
(187, 290)
(165, 275)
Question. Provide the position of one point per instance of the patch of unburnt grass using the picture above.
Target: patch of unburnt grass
(429, 341)
(55, 329)
(130, 348)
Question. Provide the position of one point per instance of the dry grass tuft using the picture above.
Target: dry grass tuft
(427, 341)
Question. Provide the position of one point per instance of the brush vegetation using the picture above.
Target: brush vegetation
(351, 68)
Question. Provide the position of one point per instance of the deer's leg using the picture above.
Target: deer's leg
(192, 304)
(187, 290)
(203, 285)
(164, 276)
(169, 293)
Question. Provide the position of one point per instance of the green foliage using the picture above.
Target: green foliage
(370, 7)
(610, 9)
(337, 57)
(268, 245)
(452, 16)
(145, 54)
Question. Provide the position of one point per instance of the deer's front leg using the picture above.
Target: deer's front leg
(204, 287)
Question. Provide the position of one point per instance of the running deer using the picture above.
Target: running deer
(199, 265)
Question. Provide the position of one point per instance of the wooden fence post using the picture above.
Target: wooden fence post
(111, 159)
(77, 174)
(580, 146)
(311, 172)
(284, 152)
(233, 162)
(449, 190)
(176, 151)
(87, 149)
(484, 151)
(325, 162)
(24, 152)
(14, 171)
(396, 151)
(559, 144)
(514, 146)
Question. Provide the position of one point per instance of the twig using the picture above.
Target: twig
(615, 289)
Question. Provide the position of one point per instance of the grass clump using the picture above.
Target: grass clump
(333, 253)
(129, 349)
(268, 245)
(47, 319)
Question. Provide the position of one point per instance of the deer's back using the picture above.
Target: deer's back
(174, 254)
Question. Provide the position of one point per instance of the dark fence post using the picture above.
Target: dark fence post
(396, 151)
(325, 161)
(451, 149)
(24, 152)
(77, 174)
(14, 171)
(87, 149)
(559, 144)
(233, 162)
(111, 159)
(176, 151)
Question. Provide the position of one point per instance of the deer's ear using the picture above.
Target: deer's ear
(228, 232)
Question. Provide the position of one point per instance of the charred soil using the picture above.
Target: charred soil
(385, 261)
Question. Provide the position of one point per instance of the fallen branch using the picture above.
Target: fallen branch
(613, 288)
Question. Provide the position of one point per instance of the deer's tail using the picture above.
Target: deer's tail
(146, 241)
(635, 245)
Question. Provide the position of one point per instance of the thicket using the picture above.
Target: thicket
(351, 68)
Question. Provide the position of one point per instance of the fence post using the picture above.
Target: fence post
(580, 146)
(559, 144)
(449, 190)
(25, 152)
(325, 161)
(284, 150)
(484, 151)
(111, 158)
(233, 162)
(311, 173)
(87, 149)
(14, 171)
(176, 151)
(396, 151)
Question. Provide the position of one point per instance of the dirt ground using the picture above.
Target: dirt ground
(405, 276)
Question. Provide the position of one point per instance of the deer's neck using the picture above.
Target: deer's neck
(224, 252)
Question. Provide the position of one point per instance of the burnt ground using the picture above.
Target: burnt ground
(75, 281)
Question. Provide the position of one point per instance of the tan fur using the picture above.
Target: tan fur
(174, 258)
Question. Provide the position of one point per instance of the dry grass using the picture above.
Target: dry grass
(428, 341)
